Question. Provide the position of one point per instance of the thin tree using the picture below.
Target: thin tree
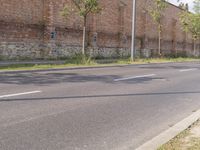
(83, 8)
(183, 5)
(156, 12)
(191, 22)
(197, 6)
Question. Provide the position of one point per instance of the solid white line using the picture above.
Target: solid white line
(185, 70)
(18, 94)
(134, 77)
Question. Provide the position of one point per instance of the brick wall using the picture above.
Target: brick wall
(35, 29)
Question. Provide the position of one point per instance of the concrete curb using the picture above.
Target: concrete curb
(91, 67)
(61, 69)
(169, 134)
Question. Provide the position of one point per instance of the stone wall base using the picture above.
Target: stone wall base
(39, 50)
(21, 50)
(28, 51)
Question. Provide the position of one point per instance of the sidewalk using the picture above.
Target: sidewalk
(32, 62)
(187, 140)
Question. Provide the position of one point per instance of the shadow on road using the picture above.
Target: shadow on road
(99, 96)
(52, 78)
(167, 67)
(55, 78)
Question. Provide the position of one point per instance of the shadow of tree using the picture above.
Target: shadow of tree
(53, 78)
(167, 67)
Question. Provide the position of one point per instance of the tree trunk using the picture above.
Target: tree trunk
(84, 36)
(159, 40)
(194, 50)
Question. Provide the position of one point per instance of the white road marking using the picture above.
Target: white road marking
(135, 77)
(18, 94)
(186, 70)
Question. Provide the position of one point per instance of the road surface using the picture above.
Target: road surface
(111, 108)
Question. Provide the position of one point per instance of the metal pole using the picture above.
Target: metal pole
(133, 31)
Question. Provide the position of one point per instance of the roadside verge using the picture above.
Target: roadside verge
(171, 133)
(38, 66)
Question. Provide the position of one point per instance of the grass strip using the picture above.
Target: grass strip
(92, 63)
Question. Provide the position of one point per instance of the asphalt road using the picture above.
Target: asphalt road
(113, 108)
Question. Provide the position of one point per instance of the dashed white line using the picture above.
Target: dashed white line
(186, 70)
(18, 94)
(134, 77)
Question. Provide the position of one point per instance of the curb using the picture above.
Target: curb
(169, 134)
(62, 69)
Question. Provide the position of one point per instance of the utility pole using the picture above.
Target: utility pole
(133, 31)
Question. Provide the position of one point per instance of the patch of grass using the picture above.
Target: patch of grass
(157, 60)
(29, 67)
(176, 143)
(185, 140)
(82, 61)
(180, 143)
(195, 144)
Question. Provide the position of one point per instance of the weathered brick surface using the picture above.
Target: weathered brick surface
(35, 29)
(22, 11)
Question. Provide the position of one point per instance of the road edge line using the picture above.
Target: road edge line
(170, 133)
(19, 94)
